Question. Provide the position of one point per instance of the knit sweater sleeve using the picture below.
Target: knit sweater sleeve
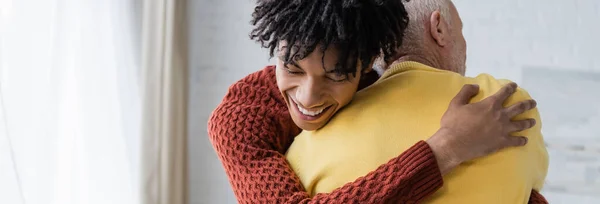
(251, 130)
(537, 198)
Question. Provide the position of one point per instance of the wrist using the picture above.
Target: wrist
(441, 147)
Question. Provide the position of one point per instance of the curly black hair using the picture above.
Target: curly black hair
(360, 29)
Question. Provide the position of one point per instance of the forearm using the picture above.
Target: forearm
(445, 160)
(412, 176)
(252, 155)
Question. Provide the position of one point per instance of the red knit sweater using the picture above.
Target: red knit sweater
(251, 130)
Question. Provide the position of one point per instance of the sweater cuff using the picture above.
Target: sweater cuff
(428, 178)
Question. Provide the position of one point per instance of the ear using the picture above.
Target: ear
(438, 28)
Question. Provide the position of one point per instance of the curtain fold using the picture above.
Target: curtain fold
(71, 112)
(164, 123)
(92, 116)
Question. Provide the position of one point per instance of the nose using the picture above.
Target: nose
(310, 94)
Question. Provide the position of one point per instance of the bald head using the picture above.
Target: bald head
(434, 35)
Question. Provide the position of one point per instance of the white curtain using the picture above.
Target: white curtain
(70, 101)
(164, 59)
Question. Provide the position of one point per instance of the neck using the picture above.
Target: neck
(431, 60)
(420, 59)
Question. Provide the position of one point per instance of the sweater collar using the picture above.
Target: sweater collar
(408, 66)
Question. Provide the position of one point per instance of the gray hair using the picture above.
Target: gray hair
(419, 12)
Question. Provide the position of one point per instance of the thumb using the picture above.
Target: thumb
(516, 141)
(465, 94)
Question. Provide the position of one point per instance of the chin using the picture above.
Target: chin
(308, 126)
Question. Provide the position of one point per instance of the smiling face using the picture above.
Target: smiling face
(313, 93)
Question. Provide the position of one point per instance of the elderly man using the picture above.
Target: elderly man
(405, 106)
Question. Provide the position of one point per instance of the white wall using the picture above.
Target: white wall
(533, 42)
(221, 53)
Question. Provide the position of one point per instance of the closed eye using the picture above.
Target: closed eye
(335, 77)
(293, 69)
(292, 72)
(338, 81)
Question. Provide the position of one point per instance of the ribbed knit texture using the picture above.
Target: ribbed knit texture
(537, 198)
(251, 130)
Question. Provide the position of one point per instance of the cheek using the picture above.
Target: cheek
(283, 81)
(343, 94)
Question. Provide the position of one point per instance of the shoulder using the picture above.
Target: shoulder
(258, 89)
(264, 77)
(257, 84)
(251, 104)
(491, 85)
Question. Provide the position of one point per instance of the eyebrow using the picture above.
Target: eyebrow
(291, 62)
(299, 67)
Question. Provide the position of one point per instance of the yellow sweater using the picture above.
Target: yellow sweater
(402, 108)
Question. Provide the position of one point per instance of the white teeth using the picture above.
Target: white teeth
(310, 113)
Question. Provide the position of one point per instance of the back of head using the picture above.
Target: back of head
(419, 12)
(416, 36)
(359, 29)
(434, 36)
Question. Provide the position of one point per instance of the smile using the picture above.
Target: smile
(308, 115)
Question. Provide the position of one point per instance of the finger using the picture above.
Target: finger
(520, 125)
(515, 141)
(520, 107)
(504, 92)
(465, 94)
